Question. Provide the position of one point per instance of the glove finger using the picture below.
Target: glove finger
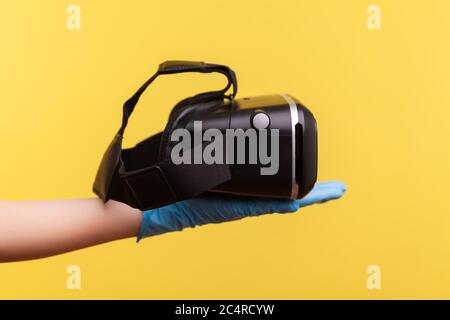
(323, 192)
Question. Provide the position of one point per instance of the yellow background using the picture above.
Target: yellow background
(382, 103)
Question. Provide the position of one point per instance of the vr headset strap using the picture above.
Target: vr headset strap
(171, 67)
(148, 184)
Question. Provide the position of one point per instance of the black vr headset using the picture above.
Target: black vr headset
(146, 176)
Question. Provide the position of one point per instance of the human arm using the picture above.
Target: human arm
(34, 229)
(31, 229)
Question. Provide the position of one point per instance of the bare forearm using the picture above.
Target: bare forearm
(39, 228)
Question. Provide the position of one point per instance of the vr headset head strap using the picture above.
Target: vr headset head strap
(172, 67)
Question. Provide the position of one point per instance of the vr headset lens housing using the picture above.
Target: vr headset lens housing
(146, 176)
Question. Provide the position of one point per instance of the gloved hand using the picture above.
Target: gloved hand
(217, 208)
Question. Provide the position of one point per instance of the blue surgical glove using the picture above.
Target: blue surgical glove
(217, 208)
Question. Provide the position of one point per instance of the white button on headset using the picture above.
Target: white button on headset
(260, 120)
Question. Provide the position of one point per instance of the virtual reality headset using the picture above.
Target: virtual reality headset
(263, 146)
